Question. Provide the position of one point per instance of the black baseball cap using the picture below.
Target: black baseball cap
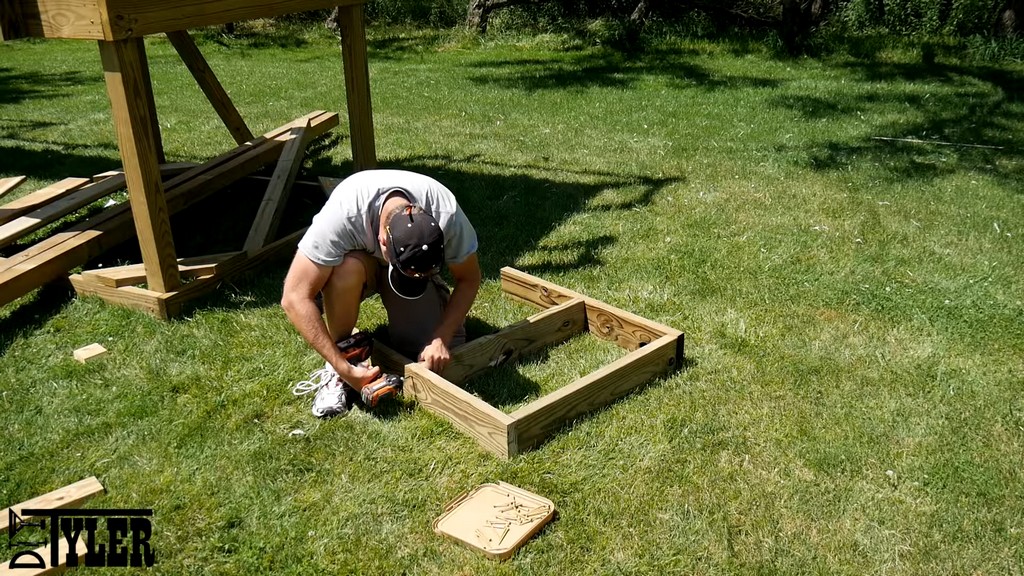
(415, 251)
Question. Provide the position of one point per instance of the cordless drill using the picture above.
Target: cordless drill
(357, 349)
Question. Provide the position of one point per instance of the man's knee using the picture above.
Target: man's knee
(347, 278)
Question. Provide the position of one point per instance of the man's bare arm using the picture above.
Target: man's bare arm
(304, 281)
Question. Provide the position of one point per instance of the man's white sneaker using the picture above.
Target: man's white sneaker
(332, 393)
(331, 400)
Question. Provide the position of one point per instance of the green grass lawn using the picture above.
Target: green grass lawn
(852, 401)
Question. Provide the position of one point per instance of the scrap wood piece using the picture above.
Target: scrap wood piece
(102, 185)
(70, 496)
(90, 352)
(268, 218)
(15, 229)
(28, 563)
(53, 257)
(210, 85)
(41, 197)
(188, 268)
(8, 184)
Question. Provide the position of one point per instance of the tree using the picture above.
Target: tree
(1010, 18)
(479, 11)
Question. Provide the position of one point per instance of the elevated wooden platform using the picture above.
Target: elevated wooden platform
(119, 27)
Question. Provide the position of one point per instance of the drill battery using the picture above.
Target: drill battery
(357, 348)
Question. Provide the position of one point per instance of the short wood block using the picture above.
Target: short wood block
(25, 568)
(90, 352)
(70, 496)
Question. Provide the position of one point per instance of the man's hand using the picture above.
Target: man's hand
(359, 376)
(435, 355)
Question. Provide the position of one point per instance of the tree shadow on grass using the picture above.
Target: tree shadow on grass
(971, 123)
(57, 161)
(16, 87)
(607, 68)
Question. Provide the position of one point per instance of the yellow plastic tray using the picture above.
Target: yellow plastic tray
(495, 519)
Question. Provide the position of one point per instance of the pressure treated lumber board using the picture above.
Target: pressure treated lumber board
(268, 217)
(389, 360)
(53, 257)
(607, 322)
(210, 85)
(165, 305)
(102, 185)
(538, 419)
(70, 496)
(120, 19)
(8, 184)
(132, 274)
(55, 210)
(125, 68)
(44, 552)
(551, 326)
(39, 198)
(357, 85)
(485, 423)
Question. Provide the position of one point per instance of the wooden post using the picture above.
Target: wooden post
(210, 86)
(357, 86)
(124, 64)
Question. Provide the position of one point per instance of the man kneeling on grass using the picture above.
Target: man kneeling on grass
(386, 232)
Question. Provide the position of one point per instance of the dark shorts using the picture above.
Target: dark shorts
(411, 323)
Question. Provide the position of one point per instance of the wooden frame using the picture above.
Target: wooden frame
(653, 350)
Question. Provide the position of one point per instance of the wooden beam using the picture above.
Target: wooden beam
(607, 322)
(210, 85)
(15, 229)
(134, 18)
(8, 184)
(485, 423)
(389, 360)
(165, 305)
(188, 268)
(268, 217)
(538, 419)
(124, 64)
(70, 496)
(357, 86)
(554, 325)
(53, 257)
(43, 196)
(25, 562)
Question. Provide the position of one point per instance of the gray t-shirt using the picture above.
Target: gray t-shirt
(350, 219)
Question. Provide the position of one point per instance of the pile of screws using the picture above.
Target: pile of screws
(506, 515)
